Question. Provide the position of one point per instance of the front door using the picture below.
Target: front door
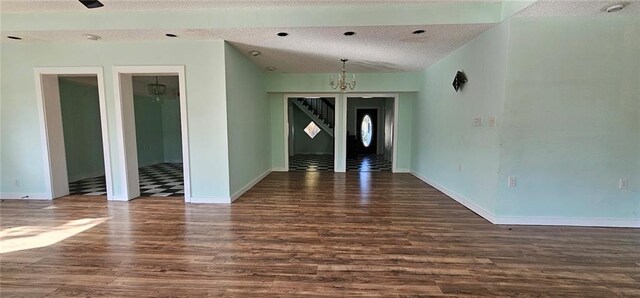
(366, 130)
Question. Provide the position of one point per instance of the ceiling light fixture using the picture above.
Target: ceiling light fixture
(90, 4)
(418, 31)
(92, 37)
(170, 35)
(254, 53)
(271, 68)
(282, 34)
(614, 8)
(342, 83)
(14, 37)
(349, 33)
(157, 90)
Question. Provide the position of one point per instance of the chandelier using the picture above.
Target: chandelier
(342, 83)
(157, 90)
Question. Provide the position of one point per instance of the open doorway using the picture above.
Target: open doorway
(370, 126)
(158, 137)
(311, 141)
(152, 125)
(74, 130)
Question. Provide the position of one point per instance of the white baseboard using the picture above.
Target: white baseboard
(531, 220)
(402, 171)
(251, 184)
(571, 221)
(486, 214)
(24, 196)
(279, 169)
(211, 200)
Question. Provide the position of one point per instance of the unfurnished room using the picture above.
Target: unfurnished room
(202, 148)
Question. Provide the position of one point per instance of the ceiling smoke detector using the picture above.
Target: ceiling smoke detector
(92, 37)
(271, 68)
(254, 53)
(615, 7)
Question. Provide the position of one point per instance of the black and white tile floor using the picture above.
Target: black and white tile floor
(368, 163)
(159, 180)
(313, 163)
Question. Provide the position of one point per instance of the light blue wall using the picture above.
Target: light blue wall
(444, 136)
(572, 118)
(80, 109)
(564, 91)
(20, 138)
(248, 117)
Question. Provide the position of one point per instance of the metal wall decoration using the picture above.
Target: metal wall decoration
(459, 80)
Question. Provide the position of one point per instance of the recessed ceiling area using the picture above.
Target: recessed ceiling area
(304, 49)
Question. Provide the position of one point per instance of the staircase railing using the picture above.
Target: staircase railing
(321, 107)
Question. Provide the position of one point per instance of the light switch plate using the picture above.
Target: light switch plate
(492, 122)
(512, 181)
(623, 183)
(477, 122)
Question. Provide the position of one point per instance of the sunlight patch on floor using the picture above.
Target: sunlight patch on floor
(29, 237)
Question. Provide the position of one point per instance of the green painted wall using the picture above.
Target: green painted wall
(20, 137)
(171, 130)
(248, 120)
(322, 143)
(443, 132)
(572, 118)
(149, 130)
(82, 133)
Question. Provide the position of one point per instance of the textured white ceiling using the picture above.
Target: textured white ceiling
(319, 49)
(372, 49)
(14, 6)
(548, 8)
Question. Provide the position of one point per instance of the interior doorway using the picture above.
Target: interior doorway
(370, 133)
(311, 141)
(153, 130)
(74, 130)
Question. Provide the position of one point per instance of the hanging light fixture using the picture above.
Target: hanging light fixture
(342, 83)
(157, 90)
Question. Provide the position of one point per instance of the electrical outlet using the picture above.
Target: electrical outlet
(623, 183)
(477, 122)
(492, 122)
(459, 167)
(512, 181)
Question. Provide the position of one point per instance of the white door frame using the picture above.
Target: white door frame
(286, 121)
(125, 125)
(395, 96)
(54, 155)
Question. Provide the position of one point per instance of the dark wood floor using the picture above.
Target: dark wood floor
(300, 234)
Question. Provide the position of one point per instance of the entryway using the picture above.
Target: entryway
(74, 129)
(370, 126)
(311, 141)
(153, 127)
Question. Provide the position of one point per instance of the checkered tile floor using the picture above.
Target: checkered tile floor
(313, 163)
(159, 180)
(368, 163)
